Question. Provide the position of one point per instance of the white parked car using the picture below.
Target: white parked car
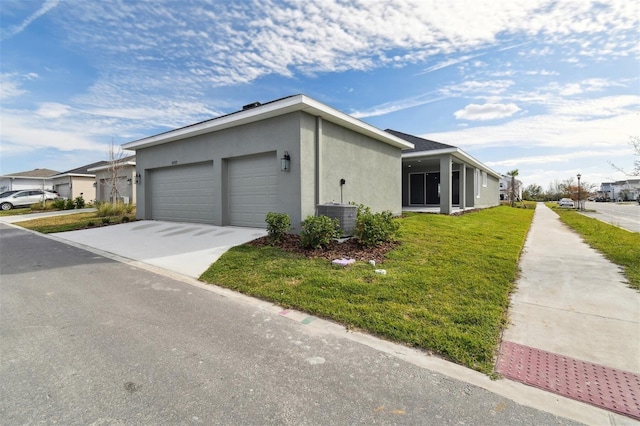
(26, 197)
(566, 202)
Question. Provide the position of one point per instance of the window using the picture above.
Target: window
(484, 179)
(477, 182)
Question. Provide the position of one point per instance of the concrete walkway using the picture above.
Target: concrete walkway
(571, 301)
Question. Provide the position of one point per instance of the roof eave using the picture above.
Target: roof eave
(105, 167)
(284, 106)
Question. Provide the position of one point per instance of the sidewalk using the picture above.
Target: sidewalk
(572, 315)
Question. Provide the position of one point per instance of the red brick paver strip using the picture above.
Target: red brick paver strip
(605, 387)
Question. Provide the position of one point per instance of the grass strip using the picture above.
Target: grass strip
(620, 246)
(70, 222)
(446, 289)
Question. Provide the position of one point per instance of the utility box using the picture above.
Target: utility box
(345, 213)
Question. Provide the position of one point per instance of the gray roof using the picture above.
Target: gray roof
(84, 170)
(420, 144)
(35, 173)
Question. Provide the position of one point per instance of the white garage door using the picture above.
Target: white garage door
(182, 194)
(64, 190)
(252, 189)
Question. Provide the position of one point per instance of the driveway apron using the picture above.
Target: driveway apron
(186, 248)
(574, 324)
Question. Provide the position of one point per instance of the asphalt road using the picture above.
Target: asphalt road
(89, 340)
(625, 215)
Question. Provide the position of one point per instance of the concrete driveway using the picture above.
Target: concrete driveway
(186, 248)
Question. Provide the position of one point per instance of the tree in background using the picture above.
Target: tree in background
(114, 181)
(634, 141)
(533, 192)
(511, 191)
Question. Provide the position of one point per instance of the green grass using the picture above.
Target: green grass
(447, 285)
(70, 222)
(14, 212)
(620, 246)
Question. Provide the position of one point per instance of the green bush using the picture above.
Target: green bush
(318, 231)
(106, 220)
(59, 203)
(278, 224)
(373, 229)
(91, 223)
(69, 204)
(109, 209)
(79, 202)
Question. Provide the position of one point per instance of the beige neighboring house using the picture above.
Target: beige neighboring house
(125, 184)
(32, 179)
(75, 182)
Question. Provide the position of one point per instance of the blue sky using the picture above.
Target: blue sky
(550, 88)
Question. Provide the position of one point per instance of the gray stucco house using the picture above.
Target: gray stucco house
(288, 156)
(438, 175)
(291, 155)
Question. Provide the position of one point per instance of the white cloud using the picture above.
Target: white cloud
(13, 30)
(52, 110)
(560, 129)
(20, 133)
(398, 105)
(486, 112)
(558, 157)
(10, 86)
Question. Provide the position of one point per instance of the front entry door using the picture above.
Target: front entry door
(433, 188)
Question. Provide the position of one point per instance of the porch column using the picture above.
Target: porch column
(445, 184)
(463, 186)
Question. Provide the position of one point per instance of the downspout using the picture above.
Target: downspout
(318, 149)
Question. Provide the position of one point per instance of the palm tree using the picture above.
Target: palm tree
(512, 188)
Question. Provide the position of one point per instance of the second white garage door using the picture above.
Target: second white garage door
(252, 189)
(183, 193)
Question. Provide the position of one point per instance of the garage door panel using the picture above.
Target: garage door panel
(252, 189)
(183, 194)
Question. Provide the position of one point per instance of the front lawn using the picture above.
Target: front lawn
(446, 288)
(620, 246)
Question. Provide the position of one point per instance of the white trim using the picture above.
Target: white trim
(274, 109)
(106, 166)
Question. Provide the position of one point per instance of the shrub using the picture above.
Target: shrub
(69, 204)
(278, 224)
(79, 202)
(59, 203)
(109, 209)
(106, 220)
(373, 229)
(91, 223)
(125, 219)
(318, 231)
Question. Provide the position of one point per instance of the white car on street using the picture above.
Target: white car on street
(566, 202)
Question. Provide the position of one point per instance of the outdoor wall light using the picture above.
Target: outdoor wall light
(95, 184)
(285, 162)
(129, 181)
(138, 178)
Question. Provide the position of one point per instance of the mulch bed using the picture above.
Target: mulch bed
(349, 249)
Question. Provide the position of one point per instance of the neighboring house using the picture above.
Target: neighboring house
(621, 190)
(124, 185)
(288, 155)
(505, 188)
(38, 178)
(435, 174)
(75, 182)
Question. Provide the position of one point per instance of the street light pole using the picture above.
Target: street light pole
(579, 194)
